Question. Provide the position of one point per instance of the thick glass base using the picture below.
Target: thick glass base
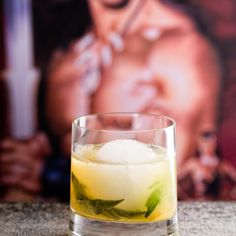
(82, 226)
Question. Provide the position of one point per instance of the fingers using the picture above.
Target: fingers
(91, 47)
(24, 152)
(83, 62)
(18, 157)
(88, 50)
(13, 160)
(21, 163)
(84, 43)
(13, 174)
(16, 175)
(13, 170)
(26, 183)
(15, 166)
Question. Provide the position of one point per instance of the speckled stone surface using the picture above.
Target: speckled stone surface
(49, 219)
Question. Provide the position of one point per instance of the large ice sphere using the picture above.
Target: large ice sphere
(125, 151)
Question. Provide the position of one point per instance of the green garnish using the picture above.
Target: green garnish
(99, 206)
(79, 188)
(153, 200)
(118, 213)
(107, 207)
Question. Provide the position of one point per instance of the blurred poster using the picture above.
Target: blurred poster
(170, 57)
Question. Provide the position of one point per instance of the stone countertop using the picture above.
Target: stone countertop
(47, 219)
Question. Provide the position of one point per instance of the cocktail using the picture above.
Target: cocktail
(123, 175)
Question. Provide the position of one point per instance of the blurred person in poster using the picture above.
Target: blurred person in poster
(142, 56)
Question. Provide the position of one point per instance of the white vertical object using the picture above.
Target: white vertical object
(22, 77)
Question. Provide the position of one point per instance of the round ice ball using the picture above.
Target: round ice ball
(125, 151)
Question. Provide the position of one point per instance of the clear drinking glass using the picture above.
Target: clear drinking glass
(123, 175)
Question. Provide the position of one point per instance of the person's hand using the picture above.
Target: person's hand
(21, 162)
(74, 76)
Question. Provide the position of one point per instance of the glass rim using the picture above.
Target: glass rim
(171, 126)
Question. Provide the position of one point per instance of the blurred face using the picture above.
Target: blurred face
(135, 16)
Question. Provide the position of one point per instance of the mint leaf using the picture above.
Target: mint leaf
(128, 214)
(152, 201)
(111, 213)
(154, 198)
(87, 205)
(100, 205)
(97, 206)
(79, 188)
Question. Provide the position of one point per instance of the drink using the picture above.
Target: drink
(123, 176)
(142, 192)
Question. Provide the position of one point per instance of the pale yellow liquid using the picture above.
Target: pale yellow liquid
(131, 183)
